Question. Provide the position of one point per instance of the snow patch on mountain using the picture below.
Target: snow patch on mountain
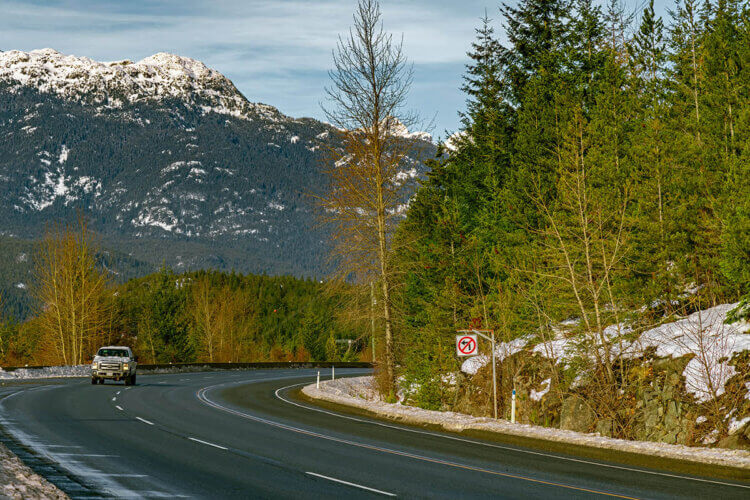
(399, 129)
(63, 154)
(454, 140)
(114, 85)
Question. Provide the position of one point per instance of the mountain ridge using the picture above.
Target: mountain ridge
(168, 160)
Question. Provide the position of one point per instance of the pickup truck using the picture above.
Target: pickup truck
(115, 363)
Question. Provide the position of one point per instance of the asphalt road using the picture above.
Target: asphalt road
(244, 434)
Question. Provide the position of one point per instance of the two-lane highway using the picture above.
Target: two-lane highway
(243, 434)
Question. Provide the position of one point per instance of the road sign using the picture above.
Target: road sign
(466, 345)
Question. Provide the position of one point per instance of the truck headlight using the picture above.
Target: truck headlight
(125, 366)
(93, 366)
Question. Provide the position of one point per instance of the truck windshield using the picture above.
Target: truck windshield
(123, 353)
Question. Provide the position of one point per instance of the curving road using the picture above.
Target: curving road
(245, 434)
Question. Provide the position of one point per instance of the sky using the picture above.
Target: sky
(275, 51)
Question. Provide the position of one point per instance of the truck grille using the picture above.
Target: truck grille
(109, 365)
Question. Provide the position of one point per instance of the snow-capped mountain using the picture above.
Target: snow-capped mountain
(114, 85)
(166, 157)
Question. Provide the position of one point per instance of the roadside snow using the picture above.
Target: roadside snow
(17, 481)
(47, 372)
(713, 342)
(702, 333)
(538, 395)
(359, 392)
(502, 351)
(735, 425)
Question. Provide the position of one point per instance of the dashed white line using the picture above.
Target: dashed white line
(114, 399)
(119, 407)
(207, 443)
(107, 474)
(118, 392)
(367, 488)
(85, 455)
(144, 421)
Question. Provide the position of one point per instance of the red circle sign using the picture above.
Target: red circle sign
(467, 345)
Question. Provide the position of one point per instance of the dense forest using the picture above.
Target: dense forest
(601, 177)
(170, 317)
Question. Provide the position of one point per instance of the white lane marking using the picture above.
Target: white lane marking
(119, 407)
(144, 421)
(207, 443)
(118, 392)
(116, 475)
(201, 395)
(102, 481)
(351, 484)
(85, 455)
(491, 445)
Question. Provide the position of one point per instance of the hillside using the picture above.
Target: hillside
(168, 160)
(17, 273)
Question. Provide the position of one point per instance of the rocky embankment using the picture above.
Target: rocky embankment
(358, 392)
(17, 481)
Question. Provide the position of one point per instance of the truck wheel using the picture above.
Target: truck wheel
(93, 380)
(101, 381)
(132, 380)
(127, 380)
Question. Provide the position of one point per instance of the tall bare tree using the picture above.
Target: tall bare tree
(72, 294)
(218, 316)
(366, 102)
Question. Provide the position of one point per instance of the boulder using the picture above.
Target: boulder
(736, 441)
(576, 415)
(605, 427)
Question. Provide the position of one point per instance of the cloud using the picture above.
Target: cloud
(276, 52)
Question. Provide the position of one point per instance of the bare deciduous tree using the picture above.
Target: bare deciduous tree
(370, 81)
(72, 294)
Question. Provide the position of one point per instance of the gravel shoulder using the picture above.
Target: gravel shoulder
(17, 481)
(357, 392)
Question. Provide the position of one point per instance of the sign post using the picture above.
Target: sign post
(464, 347)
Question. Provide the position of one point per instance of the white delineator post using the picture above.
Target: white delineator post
(333, 372)
(494, 378)
(317, 384)
(513, 407)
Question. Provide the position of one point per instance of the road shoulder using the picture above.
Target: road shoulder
(351, 395)
(18, 481)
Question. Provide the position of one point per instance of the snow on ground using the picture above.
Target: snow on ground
(17, 481)
(359, 392)
(538, 395)
(703, 333)
(85, 371)
(47, 372)
(502, 351)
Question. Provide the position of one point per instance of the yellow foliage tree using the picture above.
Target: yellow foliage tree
(72, 294)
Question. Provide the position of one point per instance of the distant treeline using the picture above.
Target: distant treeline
(168, 317)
